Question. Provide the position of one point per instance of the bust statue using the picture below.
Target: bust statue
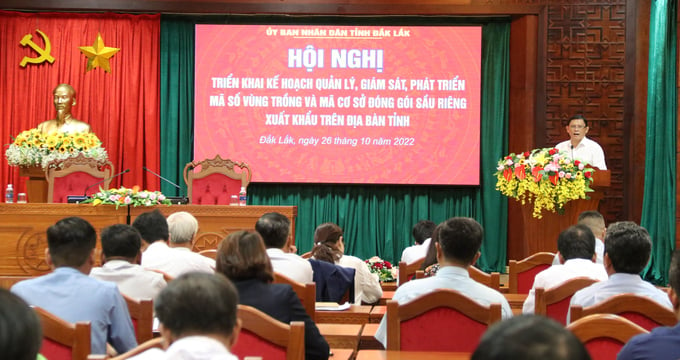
(64, 99)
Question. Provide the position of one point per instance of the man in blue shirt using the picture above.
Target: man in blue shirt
(69, 293)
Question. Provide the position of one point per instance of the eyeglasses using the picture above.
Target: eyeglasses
(577, 126)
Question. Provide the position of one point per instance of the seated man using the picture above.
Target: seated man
(183, 228)
(20, 330)
(458, 248)
(595, 221)
(275, 230)
(663, 343)
(70, 294)
(576, 251)
(422, 234)
(121, 256)
(627, 247)
(197, 315)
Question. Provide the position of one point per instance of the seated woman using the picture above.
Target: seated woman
(330, 246)
(430, 264)
(243, 259)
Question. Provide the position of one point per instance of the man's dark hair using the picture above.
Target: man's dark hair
(153, 226)
(121, 240)
(71, 241)
(576, 242)
(198, 303)
(460, 239)
(674, 272)
(594, 220)
(274, 229)
(20, 329)
(578, 117)
(529, 337)
(242, 256)
(422, 230)
(628, 246)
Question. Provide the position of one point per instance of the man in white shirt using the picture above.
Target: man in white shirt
(576, 251)
(579, 147)
(121, 256)
(422, 234)
(595, 221)
(183, 228)
(274, 228)
(627, 247)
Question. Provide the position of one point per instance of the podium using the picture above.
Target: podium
(541, 234)
(36, 185)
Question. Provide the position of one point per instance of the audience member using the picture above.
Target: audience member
(243, 259)
(595, 221)
(430, 265)
(183, 228)
(275, 231)
(20, 330)
(330, 247)
(529, 337)
(459, 242)
(576, 251)
(422, 234)
(121, 259)
(68, 293)
(197, 313)
(627, 247)
(663, 343)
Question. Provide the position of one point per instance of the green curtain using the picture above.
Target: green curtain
(658, 206)
(377, 219)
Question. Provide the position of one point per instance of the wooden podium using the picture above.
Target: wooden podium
(36, 185)
(541, 234)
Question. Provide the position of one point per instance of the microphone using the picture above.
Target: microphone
(76, 199)
(572, 151)
(181, 199)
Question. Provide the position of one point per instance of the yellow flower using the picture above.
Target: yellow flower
(62, 149)
(79, 141)
(51, 141)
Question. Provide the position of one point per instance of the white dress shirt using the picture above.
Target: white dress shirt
(291, 265)
(133, 280)
(416, 252)
(175, 261)
(558, 274)
(189, 348)
(587, 151)
(366, 284)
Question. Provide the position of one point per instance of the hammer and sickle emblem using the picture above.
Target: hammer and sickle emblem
(44, 53)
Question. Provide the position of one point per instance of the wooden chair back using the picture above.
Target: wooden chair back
(216, 180)
(63, 340)
(604, 334)
(72, 176)
(142, 347)
(407, 271)
(554, 302)
(141, 312)
(305, 292)
(521, 273)
(267, 338)
(420, 274)
(432, 312)
(639, 309)
(492, 280)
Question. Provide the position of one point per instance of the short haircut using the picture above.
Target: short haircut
(121, 240)
(182, 227)
(460, 239)
(422, 230)
(274, 229)
(592, 219)
(20, 329)
(628, 246)
(326, 237)
(198, 303)
(674, 272)
(578, 117)
(242, 256)
(71, 241)
(576, 242)
(529, 337)
(152, 225)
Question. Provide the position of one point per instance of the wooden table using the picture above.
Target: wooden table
(341, 354)
(367, 340)
(377, 313)
(387, 295)
(389, 286)
(356, 314)
(341, 336)
(410, 355)
(516, 302)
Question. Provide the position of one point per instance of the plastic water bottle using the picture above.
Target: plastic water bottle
(9, 194)
(242, 197)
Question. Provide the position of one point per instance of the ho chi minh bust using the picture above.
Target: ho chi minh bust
(64, 99)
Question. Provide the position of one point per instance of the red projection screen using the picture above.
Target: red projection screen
(341, 104)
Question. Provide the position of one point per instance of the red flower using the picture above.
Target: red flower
(388, 265)
(552, 151)
(576, 162)
(588, 175)
(526, 154)
(520, 172)
(508, 157)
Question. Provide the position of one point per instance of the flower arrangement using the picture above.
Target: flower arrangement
(381, 267)
(124, 196)
(546, 177)
(33, 148)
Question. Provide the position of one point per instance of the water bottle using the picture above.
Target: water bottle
(9, 194)
(242, 197)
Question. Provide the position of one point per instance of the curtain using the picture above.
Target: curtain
(658, 205)
(121, 106)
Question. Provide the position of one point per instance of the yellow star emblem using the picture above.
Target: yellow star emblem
(98, 54)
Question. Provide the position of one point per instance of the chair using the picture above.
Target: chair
(305, 292)
(267, 338)
(63, 340)
(211, 253)
(430, 313)
(554, 302)
(141, 312)
(216, 181)
(407, 271)
(521, 273)
(639, 309)
(492, 280)
(604, 334)
(74, 175)
(149, 344)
